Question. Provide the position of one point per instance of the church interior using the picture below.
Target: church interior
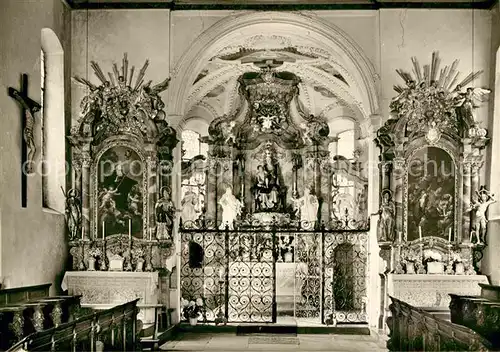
(263, 170)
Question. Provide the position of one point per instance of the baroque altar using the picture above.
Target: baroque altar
(119, 210)
(432, 223)
(275, 198)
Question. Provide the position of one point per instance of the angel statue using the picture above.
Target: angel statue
(480, 207)
(465, 102)
(231, 208)
(73, 213)
(149, 102)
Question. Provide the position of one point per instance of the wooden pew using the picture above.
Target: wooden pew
(18, 320)
(116, 328)
(413, 329)
(23, 294)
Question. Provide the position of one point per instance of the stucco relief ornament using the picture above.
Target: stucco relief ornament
(118, 105)
(430, 98)
(433, 134)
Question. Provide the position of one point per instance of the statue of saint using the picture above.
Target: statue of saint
(267, 186)
(480, 207)
(231, 208)
(387, 212)
(73, 213)
(165, 215)
(188, 204)
(308, 206)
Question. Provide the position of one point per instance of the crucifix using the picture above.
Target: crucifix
(28, 148)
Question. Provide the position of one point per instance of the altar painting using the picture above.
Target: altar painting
(120, 198)
(431, 194)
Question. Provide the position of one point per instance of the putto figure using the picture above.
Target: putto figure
(480, 207)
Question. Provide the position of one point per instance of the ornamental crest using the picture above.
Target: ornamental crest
(122, 104)
(432, 97)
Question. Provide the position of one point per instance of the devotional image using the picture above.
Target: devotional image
(431, 189)
(119, 192)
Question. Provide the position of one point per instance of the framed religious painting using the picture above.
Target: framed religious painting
(431, 192)
(119, 198)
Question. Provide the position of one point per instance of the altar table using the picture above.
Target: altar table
(105, 289)
(432, 291)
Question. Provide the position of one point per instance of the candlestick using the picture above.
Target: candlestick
(220, 274)
(83, 233)
(130, 228)
(400, 236)
(103, 231)
(150, 233)
(449, 235)
(420, 233)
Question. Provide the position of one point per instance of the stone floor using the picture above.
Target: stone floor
(225, 342)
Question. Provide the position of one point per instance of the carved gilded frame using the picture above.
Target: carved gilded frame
(451, 148)
(137, 146)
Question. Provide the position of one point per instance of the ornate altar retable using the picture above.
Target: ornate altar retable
(119, 211)
(432, 224)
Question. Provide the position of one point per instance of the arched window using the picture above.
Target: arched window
(192, 146)
(53, 150)
(345, 144)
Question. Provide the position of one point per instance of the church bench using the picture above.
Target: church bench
(115, 328)
(23, 294)
(23, 318)
(414, 329)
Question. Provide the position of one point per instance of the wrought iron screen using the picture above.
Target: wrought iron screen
(236, 276)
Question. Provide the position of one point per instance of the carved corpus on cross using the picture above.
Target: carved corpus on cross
(28, 148)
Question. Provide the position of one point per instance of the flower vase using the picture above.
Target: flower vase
(193, 321)
(140, 265)
(288, 257)
(435, 268)
(410, 267)
(459, 268)
(91, 266)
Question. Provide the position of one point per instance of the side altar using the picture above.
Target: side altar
(119, 210)
(432, 217)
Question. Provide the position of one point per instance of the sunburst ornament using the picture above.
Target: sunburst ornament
(433, 95)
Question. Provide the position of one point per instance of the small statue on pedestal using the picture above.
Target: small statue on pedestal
(307, 206)
(231, 209)
(165, 215)
(73, 213)
(480, 207)
(385, 225)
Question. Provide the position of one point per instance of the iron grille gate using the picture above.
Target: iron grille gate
(235, 273)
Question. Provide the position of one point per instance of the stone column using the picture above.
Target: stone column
(466, 200)
(86, 162)
(397, 181)
(212, 180)
(152, 175)
(324, 186)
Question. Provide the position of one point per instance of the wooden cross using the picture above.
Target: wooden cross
(28, 148)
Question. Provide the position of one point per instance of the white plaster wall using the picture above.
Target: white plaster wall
(456, 34)
(490, 264)
(32, 241)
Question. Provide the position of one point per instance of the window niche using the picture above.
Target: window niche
(53, 150)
